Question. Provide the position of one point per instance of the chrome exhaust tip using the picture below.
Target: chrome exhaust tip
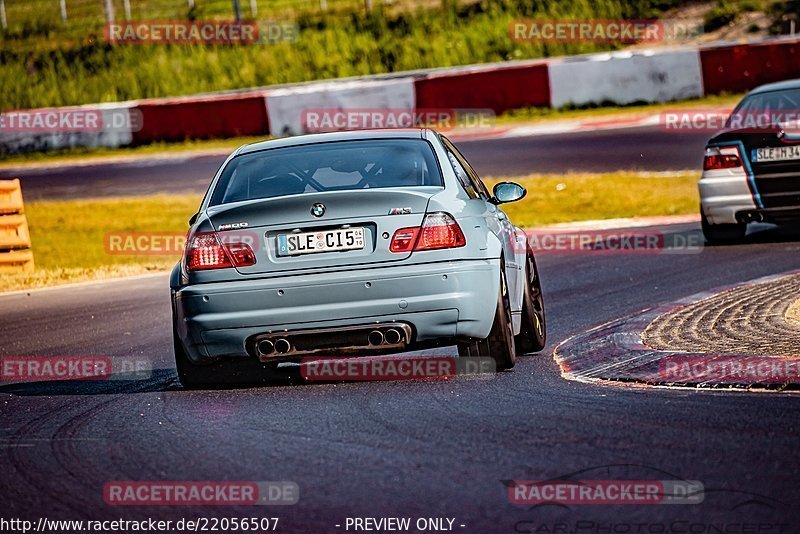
(266, 347)
(393, 337)
(282, 346)
(375, 337)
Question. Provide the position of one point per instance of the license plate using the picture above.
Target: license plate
(326, 241)
(777, 153)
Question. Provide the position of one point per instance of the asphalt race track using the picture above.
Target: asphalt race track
(410, 449)
(645, 148)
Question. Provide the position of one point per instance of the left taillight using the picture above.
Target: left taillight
(719, 158)
(439, 230)
(204, 252)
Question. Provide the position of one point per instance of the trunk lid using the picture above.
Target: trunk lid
(774, 159)
(270, 224)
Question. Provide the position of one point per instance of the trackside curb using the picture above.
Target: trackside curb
(615, 352)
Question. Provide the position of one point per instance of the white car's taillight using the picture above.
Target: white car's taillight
(718, 158)
(438, 230)
(204, 252)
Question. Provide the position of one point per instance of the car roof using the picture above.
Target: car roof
(310, 139)
(777, 86)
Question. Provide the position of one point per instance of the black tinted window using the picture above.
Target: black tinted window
(767, 109)
(334, 166)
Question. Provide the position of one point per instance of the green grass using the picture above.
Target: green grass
(76, 155)
(45, 64)
(577, 197)
(69, 236)
(600, 110)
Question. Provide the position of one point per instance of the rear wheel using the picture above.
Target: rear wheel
(533, 334)
(500, 344)
(722, 233)
(222, 372)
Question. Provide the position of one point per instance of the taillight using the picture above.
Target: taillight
(404, 239)
(722, 158)
(204, 252)
(438, 230)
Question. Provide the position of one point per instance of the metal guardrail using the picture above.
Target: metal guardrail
(15, 240)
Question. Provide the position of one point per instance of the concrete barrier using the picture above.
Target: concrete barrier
(114, 128)
(286, 106)
(626, 78)
(216, 116)
(620, 77)
(498, 89)
(739, 68)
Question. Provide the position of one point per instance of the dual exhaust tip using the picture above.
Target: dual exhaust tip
(281, 346)
(375, 338)
(391, 337)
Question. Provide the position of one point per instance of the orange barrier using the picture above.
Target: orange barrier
(10, 197)
(15, 240)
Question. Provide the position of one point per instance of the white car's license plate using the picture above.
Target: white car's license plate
(325, 241)
(777, 153)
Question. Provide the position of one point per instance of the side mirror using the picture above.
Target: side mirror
(193, 218)
(507, 192)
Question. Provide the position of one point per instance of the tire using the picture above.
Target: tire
(500, 344)
(533, 334)
(719, 234)
(220, 373)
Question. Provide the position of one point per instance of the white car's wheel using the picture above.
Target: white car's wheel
(500, 344)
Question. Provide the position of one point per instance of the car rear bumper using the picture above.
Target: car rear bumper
(723, 194)
(771, 215)
(438, 300)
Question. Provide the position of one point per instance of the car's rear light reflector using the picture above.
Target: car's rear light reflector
(241, 254)
(404, 239)
(438, 230)
(727, 158)
(204, 252)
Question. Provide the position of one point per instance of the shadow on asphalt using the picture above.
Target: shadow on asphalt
(160, 380)
(764, 233)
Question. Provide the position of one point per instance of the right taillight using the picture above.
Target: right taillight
(722, 158)
(204, 252)
(438, 231)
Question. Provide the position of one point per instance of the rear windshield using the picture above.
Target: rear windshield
(334, 166)
(774, 104)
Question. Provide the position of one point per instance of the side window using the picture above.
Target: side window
(472, 176)
(462, 176)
